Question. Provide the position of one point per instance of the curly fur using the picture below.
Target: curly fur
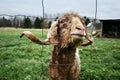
(66, 34)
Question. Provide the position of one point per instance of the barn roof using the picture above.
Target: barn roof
(109, 19)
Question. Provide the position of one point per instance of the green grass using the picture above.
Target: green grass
(21, 59)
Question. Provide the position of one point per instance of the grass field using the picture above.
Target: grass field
(21, 59)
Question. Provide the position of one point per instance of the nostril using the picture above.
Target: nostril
(78, 28)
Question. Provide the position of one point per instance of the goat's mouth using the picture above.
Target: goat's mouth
(79, 36)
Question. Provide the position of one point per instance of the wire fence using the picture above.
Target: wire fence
(87, 74)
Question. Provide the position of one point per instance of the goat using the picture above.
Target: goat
(66, 34)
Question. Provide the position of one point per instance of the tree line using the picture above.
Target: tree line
(30, 22)
(26, 22)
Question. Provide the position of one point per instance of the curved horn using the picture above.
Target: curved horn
(30, 36)
(90, 39)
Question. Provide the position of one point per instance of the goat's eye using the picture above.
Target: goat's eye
(64, 31)
(61, 21)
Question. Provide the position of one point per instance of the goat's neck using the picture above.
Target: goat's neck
(63, 55)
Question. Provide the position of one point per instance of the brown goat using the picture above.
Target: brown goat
(66, 34)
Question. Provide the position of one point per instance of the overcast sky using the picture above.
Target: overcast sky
(106, 8)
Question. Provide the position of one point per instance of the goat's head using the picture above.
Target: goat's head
(68, 29)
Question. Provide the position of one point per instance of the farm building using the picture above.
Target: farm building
(106, 28)
(110, 28)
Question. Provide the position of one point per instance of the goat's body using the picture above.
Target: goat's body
(64, 64)
(66, 34)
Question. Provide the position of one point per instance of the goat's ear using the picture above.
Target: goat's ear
(53, 34)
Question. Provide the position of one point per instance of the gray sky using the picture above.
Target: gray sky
(106, 8)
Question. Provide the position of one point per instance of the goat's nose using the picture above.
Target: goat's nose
(79, 28)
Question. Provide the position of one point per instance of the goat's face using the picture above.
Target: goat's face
(77, 29)
(67, 30)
